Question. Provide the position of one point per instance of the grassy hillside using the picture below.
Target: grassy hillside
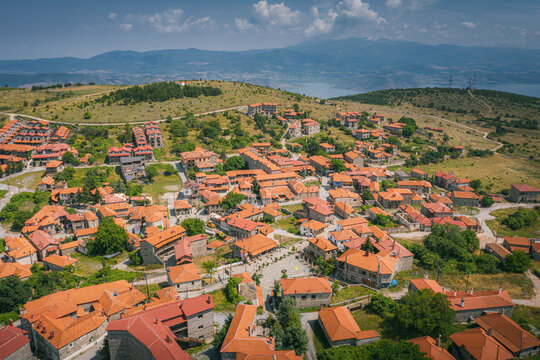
(484, 102)
(71, 106)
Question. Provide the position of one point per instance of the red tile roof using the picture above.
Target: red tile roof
(314, 285)
(481, 346)
(340, 325)
(429, 346)
(12, 339)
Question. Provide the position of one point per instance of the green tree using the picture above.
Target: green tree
(368, 246)
(14, 293)
(408, 130)
(338, 165)
(380, 350)
(476, 184)
(234, 163)
(517, 262)
(219, 337)
(231, 290)
(109, 239)
(135, 258)
(487, 201)
(193, 226)
(87, 115)
(231, 201)
(209, 266)
(293, 336)
(69, 158)
(151, 172)
(425, 313)
(382, 305)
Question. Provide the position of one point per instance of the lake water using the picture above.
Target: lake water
(325, 91)
(321, 90)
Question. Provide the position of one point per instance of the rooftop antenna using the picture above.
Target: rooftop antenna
(450, 81)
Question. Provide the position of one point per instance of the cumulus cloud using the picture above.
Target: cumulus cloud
(274, 14)
(126, 27)
(243, 24)
(356, 9)
(112, 15)
(468, 24)
(321, 24)
(171, 21)
(391, 4)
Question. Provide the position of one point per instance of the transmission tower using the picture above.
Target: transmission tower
(474, 82)
(450, 81)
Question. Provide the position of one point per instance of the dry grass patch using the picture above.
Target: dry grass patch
(519, 286)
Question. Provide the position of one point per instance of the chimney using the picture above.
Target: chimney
(11, 321)
(155, 320)
(168, 339)
(249, 330)
(426, 276)
(51, 334)
(500, 289)
(43, 330)
(462, 302)
(438, 341)
(455, 292)
(472, 291)
(490, 332)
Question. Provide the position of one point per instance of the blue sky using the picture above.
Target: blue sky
(81, 28)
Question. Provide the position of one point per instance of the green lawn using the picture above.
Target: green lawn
(495, 225)
(368, 321)
(80, 174)
(349, 293)
(152, 289)
(220, 302)
(3, 193)
(162, 184)
(28, 180)
(285, 223)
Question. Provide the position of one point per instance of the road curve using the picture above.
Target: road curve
(13, 115)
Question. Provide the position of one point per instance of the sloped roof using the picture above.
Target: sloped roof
(256, 244)
(428, 346)
(368, 261)
(340, 325)
(12, 339)
(312, 285)
(481, 346)
(183, 273)
(507, 332)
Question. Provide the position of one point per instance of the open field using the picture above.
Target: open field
(519, 286)
(13, 99)
(495, 225)
(349, 293)
(80, 174)
(28, 180)
(498, 170)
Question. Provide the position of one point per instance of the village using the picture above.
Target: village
(278, 250)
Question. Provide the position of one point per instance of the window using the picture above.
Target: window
(313, 296)
(303, 297)
(199, 317)
(70, 345)
(201, 326)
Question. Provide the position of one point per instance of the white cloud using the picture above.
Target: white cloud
(391, 4)
(356, 9)
(126, 27)
(468, 24)
(275, 14)
(243, 24)
(170, 21)
(112, 15)
(321, 24)
(438, 26)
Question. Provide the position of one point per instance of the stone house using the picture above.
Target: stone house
(340, 328)
(523, 193)
(308, 292)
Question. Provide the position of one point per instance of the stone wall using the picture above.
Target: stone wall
(311, 300)
(201, 325)
(23, 353)
(123, 346)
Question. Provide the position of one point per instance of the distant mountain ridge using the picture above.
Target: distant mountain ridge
(353, 63)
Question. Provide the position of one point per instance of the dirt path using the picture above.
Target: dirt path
(13, 115)
(484, 133)
(480, 101)
(535, 301)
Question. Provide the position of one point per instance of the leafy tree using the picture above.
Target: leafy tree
(179, 129)
(293, 336)
(408, 130)
(209, 266)
(87, 115)
(66, 174)
(325, 267)
(383, 220)
(368, 246)
(476, 184)
(517, 262)
(151, 172)
(45, 283)
(109, 239)
(380, 350)
(367, 195)
(69, 158)
(234, 163)
(338, 165)
(219, 337)
(382, 305)
(487, 201)
(14, 293)
(231, 290)
(120, 187)
(193, 226)
(425, 313)
(135, 258)
(231, 201)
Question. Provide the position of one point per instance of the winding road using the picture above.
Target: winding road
(13, 115)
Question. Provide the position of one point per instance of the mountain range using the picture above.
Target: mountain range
(353, 63)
